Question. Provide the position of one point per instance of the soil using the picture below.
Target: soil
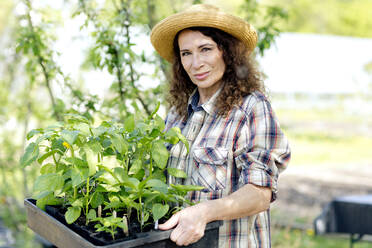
(303, 191)
(100, 238)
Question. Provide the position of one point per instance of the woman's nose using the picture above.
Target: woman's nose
(197, 61)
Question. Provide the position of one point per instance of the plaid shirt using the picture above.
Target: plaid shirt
(246, 146)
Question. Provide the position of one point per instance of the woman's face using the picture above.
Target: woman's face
(202, 60)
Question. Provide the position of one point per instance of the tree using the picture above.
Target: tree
(265, 19)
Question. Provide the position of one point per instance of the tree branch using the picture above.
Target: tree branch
(41, 62)
(131, 69)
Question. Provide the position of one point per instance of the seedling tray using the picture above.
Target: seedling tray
(62, 235)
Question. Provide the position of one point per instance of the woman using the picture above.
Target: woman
(236, 146)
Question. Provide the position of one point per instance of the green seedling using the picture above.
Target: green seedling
(120, 166)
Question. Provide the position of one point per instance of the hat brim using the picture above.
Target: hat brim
(163, 34)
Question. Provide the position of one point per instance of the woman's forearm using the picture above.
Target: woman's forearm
(247, 201)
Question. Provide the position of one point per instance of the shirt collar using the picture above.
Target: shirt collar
(209, 106)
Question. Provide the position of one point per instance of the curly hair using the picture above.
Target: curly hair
(241, 77)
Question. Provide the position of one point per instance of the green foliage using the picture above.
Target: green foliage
(113, 51)
(115, 165)
(110, 225)
(265, 19)
(338, 17)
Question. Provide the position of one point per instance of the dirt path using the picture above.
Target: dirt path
(304, 190)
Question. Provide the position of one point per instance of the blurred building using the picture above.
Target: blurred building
(312, 70)
(318, 64)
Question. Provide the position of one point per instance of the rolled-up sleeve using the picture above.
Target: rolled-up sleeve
(262, 150)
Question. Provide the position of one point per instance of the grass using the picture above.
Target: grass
(287, 238)
(320, 148)
(321, 136)
(331, 114)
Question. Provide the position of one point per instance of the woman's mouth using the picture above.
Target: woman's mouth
(201, 76)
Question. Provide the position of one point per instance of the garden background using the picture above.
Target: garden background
(93, 57)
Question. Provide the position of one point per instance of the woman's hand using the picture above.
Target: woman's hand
(190, 222)
(190, 225)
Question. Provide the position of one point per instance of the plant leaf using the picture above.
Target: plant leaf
(48, 168)
(132, 183)
(48, 182)
(72, 214)
(32, 133)
(30, 155)
(156, 183)
(159, 122)
(69, 136)
(135, 167)
(46, 135)
(49, 199)
(177, 172)
(42, 194)
(159, 154)
(58, 144)
(159, 174)
(46, 155)
(172, 136)
(186, 188)
(83, 128)
(140, 174)
(76, 118)
(78, 202)
(76, 177)
(177, 131)
(119, 174)
(119, 143)
(159, 210)
(129, 124)
(97, 199)
(98, 131)
(95, 146)
(92, 160)
(78, 162)
(92, 214)
(107, 188)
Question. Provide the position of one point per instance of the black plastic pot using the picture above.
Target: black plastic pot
(62, 235)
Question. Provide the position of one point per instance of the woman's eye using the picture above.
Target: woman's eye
(206, 49)
(184, 53)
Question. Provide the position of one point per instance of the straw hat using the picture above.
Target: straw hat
(200, 15)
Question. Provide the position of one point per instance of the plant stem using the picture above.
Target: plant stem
(112, 233)
(75, 193)
(141, 213)
(126, 163)
(99, 211)
(87, 203)
(54, 159)
(150, 174)
(72, 152)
